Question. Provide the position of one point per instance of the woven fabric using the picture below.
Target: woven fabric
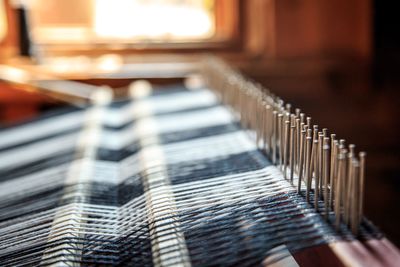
(167, 180)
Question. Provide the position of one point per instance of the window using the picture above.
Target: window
(154, 20)
(122, 21)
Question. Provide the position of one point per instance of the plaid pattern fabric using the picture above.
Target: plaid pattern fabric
(169, 179)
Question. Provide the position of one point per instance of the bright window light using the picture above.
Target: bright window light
(154, 19)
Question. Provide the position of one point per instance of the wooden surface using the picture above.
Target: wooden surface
(17, 105)
(374, 252)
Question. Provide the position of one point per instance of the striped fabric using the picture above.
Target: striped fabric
(166, 179)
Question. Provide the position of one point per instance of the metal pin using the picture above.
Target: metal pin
(320, 152)
(362, 156)
(339, 177)
(297, 112)
(286, 148)
(309, 132)
(302, 125)
(314, 156)
(325, 132)
(302, 116)
(292, 151)
(301, 161)
(308, 163)
(342, 189)
(354, 220)
(287, 116)
(315, 132)
(309, 122)
(274, 133)
(297, 145)
(281, 138)
(350, 191)
(288, 107)
(315, 137)
(351, 150)
(332, 168)
(325, 164)
(338, 195)
(347, 185)
(342, 142)
(259, 121)
(265, 126)
(268, 130)
(305, 128)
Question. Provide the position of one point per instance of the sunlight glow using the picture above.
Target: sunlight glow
(3, 21)
(153, 19)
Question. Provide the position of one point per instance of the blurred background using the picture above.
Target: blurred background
(337, 60)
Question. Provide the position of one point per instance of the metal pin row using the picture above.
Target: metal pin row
(318, 163)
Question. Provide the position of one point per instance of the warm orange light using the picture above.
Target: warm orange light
(3, 21)
(12, 74)
(108, 63)
(121, 21)
(154, 19)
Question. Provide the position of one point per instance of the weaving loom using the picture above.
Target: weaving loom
(220, 175)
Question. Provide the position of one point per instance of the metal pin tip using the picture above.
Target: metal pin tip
(335, 142)
(351, 149)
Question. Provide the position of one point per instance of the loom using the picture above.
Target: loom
(219, 174)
